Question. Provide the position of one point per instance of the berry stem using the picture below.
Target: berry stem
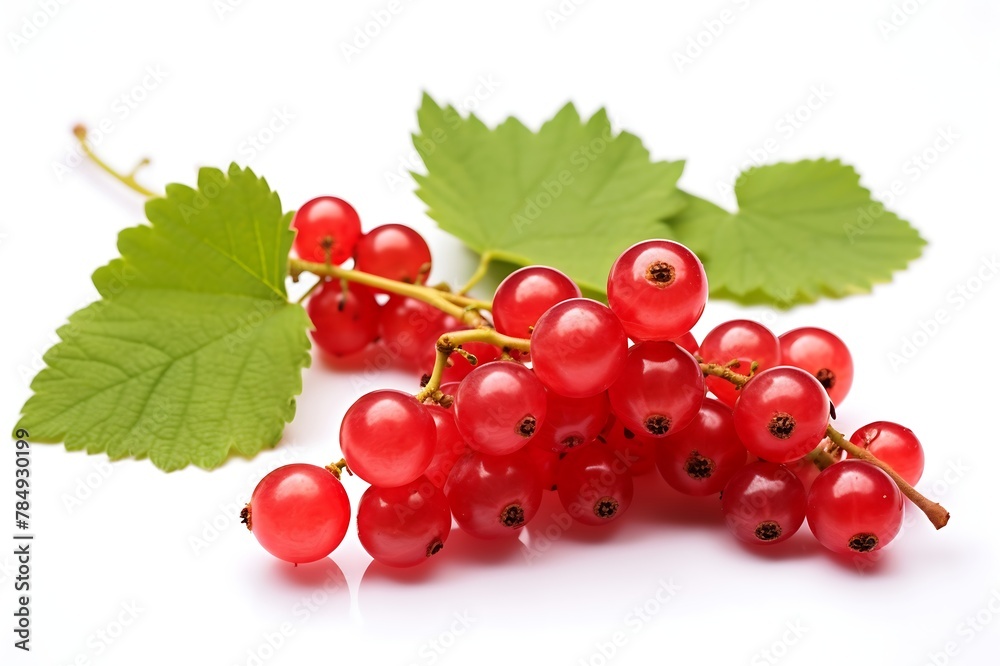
(478, 274)
(449, 342)
(466, 314)
(936, 513)
(466, 302)
(338, 467)
(821, 457)
(127, 179)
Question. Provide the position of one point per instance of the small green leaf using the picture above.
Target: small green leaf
(573, 195)
(193, 351)
(803, 230)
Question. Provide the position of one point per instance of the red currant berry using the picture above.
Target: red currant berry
(387, 438)
(394, 251)
(578, 348)
(299, 513)
(493, 496)
(402, 527)
(326, 225)
(499, 407)
(744, 342)
(854, 507)
(823, 355)
(594, 485)
(525, 295)
(782, 414)
(763, 503)
(701, 458)
(659, 391)
(343, 322)
(895, 445)
(658, 289)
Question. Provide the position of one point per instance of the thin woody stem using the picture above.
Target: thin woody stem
(126, 179)
(429, 295)
(449, 342)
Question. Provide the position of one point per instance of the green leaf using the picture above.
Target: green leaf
(573, 195)
(193, 351)
(803, 230)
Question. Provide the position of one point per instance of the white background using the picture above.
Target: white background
(110, 537)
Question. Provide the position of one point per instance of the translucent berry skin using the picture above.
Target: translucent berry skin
(743, 341)
(806, 470)
(499, 407)
(322, 222)
(387, 438)
(659, 391)
(493, 496)
(459, 367)
(578, 348)
(525, 295)
(895, 445)
(764, 503)
(782, 414)
(544, 461)
(402, 527)
(701, 458)
(571, 422)
(638, 452)
(393, 251)
(409, 329)
(299, 513)
(658, 289)
(448, 445)
(343, 323)
(594, 485)
(854, 507)
(823, 355)
(687, 342)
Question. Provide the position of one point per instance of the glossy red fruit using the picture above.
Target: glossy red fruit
(493, 496)
(394, 251)
(823, 355)
(782, 414)
(571, 422)
(594, 485)
(763, 503)
(343, 322)
(404, 526)
(742, 341)
(701, 458)
(409, 329)
(687, 342)
(326, 225)
(854, 508)
(299, 513)
(578, 348)
(895, 445)
(525, 295)
(659, 391)
(658, 289)
(388, 438)
(499, 407)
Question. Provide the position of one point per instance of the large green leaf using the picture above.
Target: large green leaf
(193, 351)
(572, 195)
(803, 230)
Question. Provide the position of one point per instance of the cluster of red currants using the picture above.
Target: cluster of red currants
(575, 409)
